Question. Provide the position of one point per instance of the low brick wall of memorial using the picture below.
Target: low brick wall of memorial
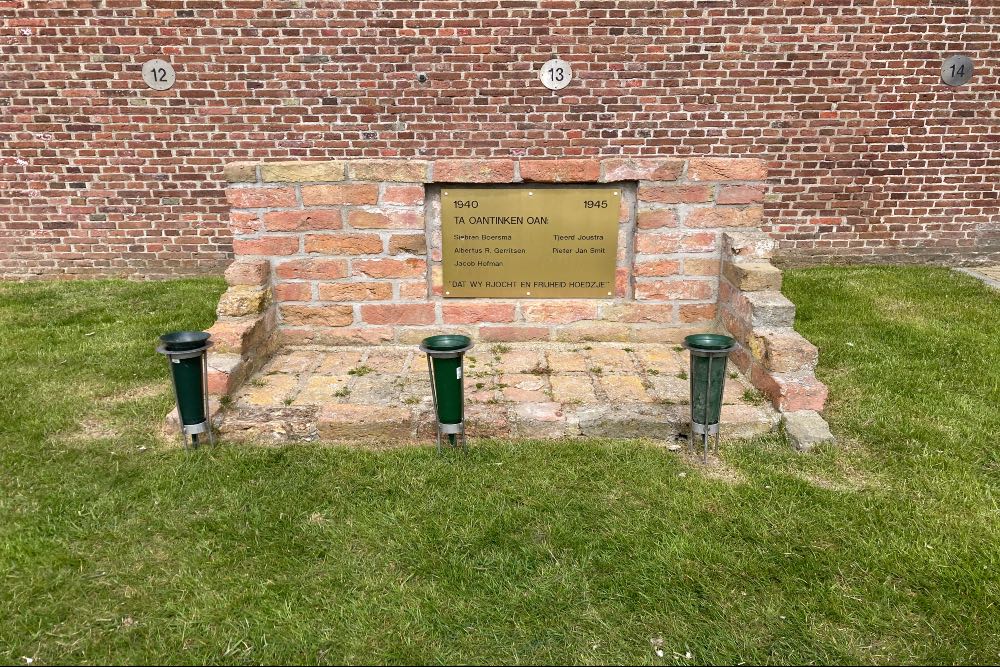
(354, 248)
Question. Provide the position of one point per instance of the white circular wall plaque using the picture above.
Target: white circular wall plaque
(956, 70)
(556, 74)
(158, 74)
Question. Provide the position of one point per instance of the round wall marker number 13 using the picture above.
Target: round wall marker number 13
(556, 74)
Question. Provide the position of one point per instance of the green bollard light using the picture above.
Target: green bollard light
(445, 363)
(187, 353)
(709, 353)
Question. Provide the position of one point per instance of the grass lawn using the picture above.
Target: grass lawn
(117, 548)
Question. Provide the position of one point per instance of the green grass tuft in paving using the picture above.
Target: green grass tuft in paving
(117, 548)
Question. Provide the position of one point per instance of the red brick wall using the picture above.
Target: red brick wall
(871, 157)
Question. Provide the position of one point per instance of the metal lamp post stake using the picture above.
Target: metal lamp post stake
(187, 353)
(446, 367)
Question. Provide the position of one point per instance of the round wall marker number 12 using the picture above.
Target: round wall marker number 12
(158, 74)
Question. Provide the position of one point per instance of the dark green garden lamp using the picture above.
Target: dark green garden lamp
(445, 363)
(187, 353)
(709, 353)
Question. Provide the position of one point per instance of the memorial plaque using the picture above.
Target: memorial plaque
(530, 242)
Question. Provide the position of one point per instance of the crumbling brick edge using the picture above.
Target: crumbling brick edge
(778, 360)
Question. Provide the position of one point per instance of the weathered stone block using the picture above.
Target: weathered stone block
(807, 429)
(299, 172)
(658, 267)
(222, 368)
(753, 276)
(399, 171)
(790, 392)
(292, 292)
(770, 309)
(248, 272)
(240, 172)
(740, 194)
(560, 170)
(580, 332)
(474, 171)
(243, 300)
(747, 246)
(638, 312)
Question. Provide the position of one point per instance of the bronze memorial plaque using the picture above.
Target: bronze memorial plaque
(530, 242)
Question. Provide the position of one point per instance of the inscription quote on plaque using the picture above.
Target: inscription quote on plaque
(542, 243)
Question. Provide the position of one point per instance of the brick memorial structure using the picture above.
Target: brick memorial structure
(349, 254)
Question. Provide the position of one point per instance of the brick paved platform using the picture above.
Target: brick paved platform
(539, 390)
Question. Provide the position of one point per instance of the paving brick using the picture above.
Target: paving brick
(624, 388)
(575, 388)
(365, 422)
